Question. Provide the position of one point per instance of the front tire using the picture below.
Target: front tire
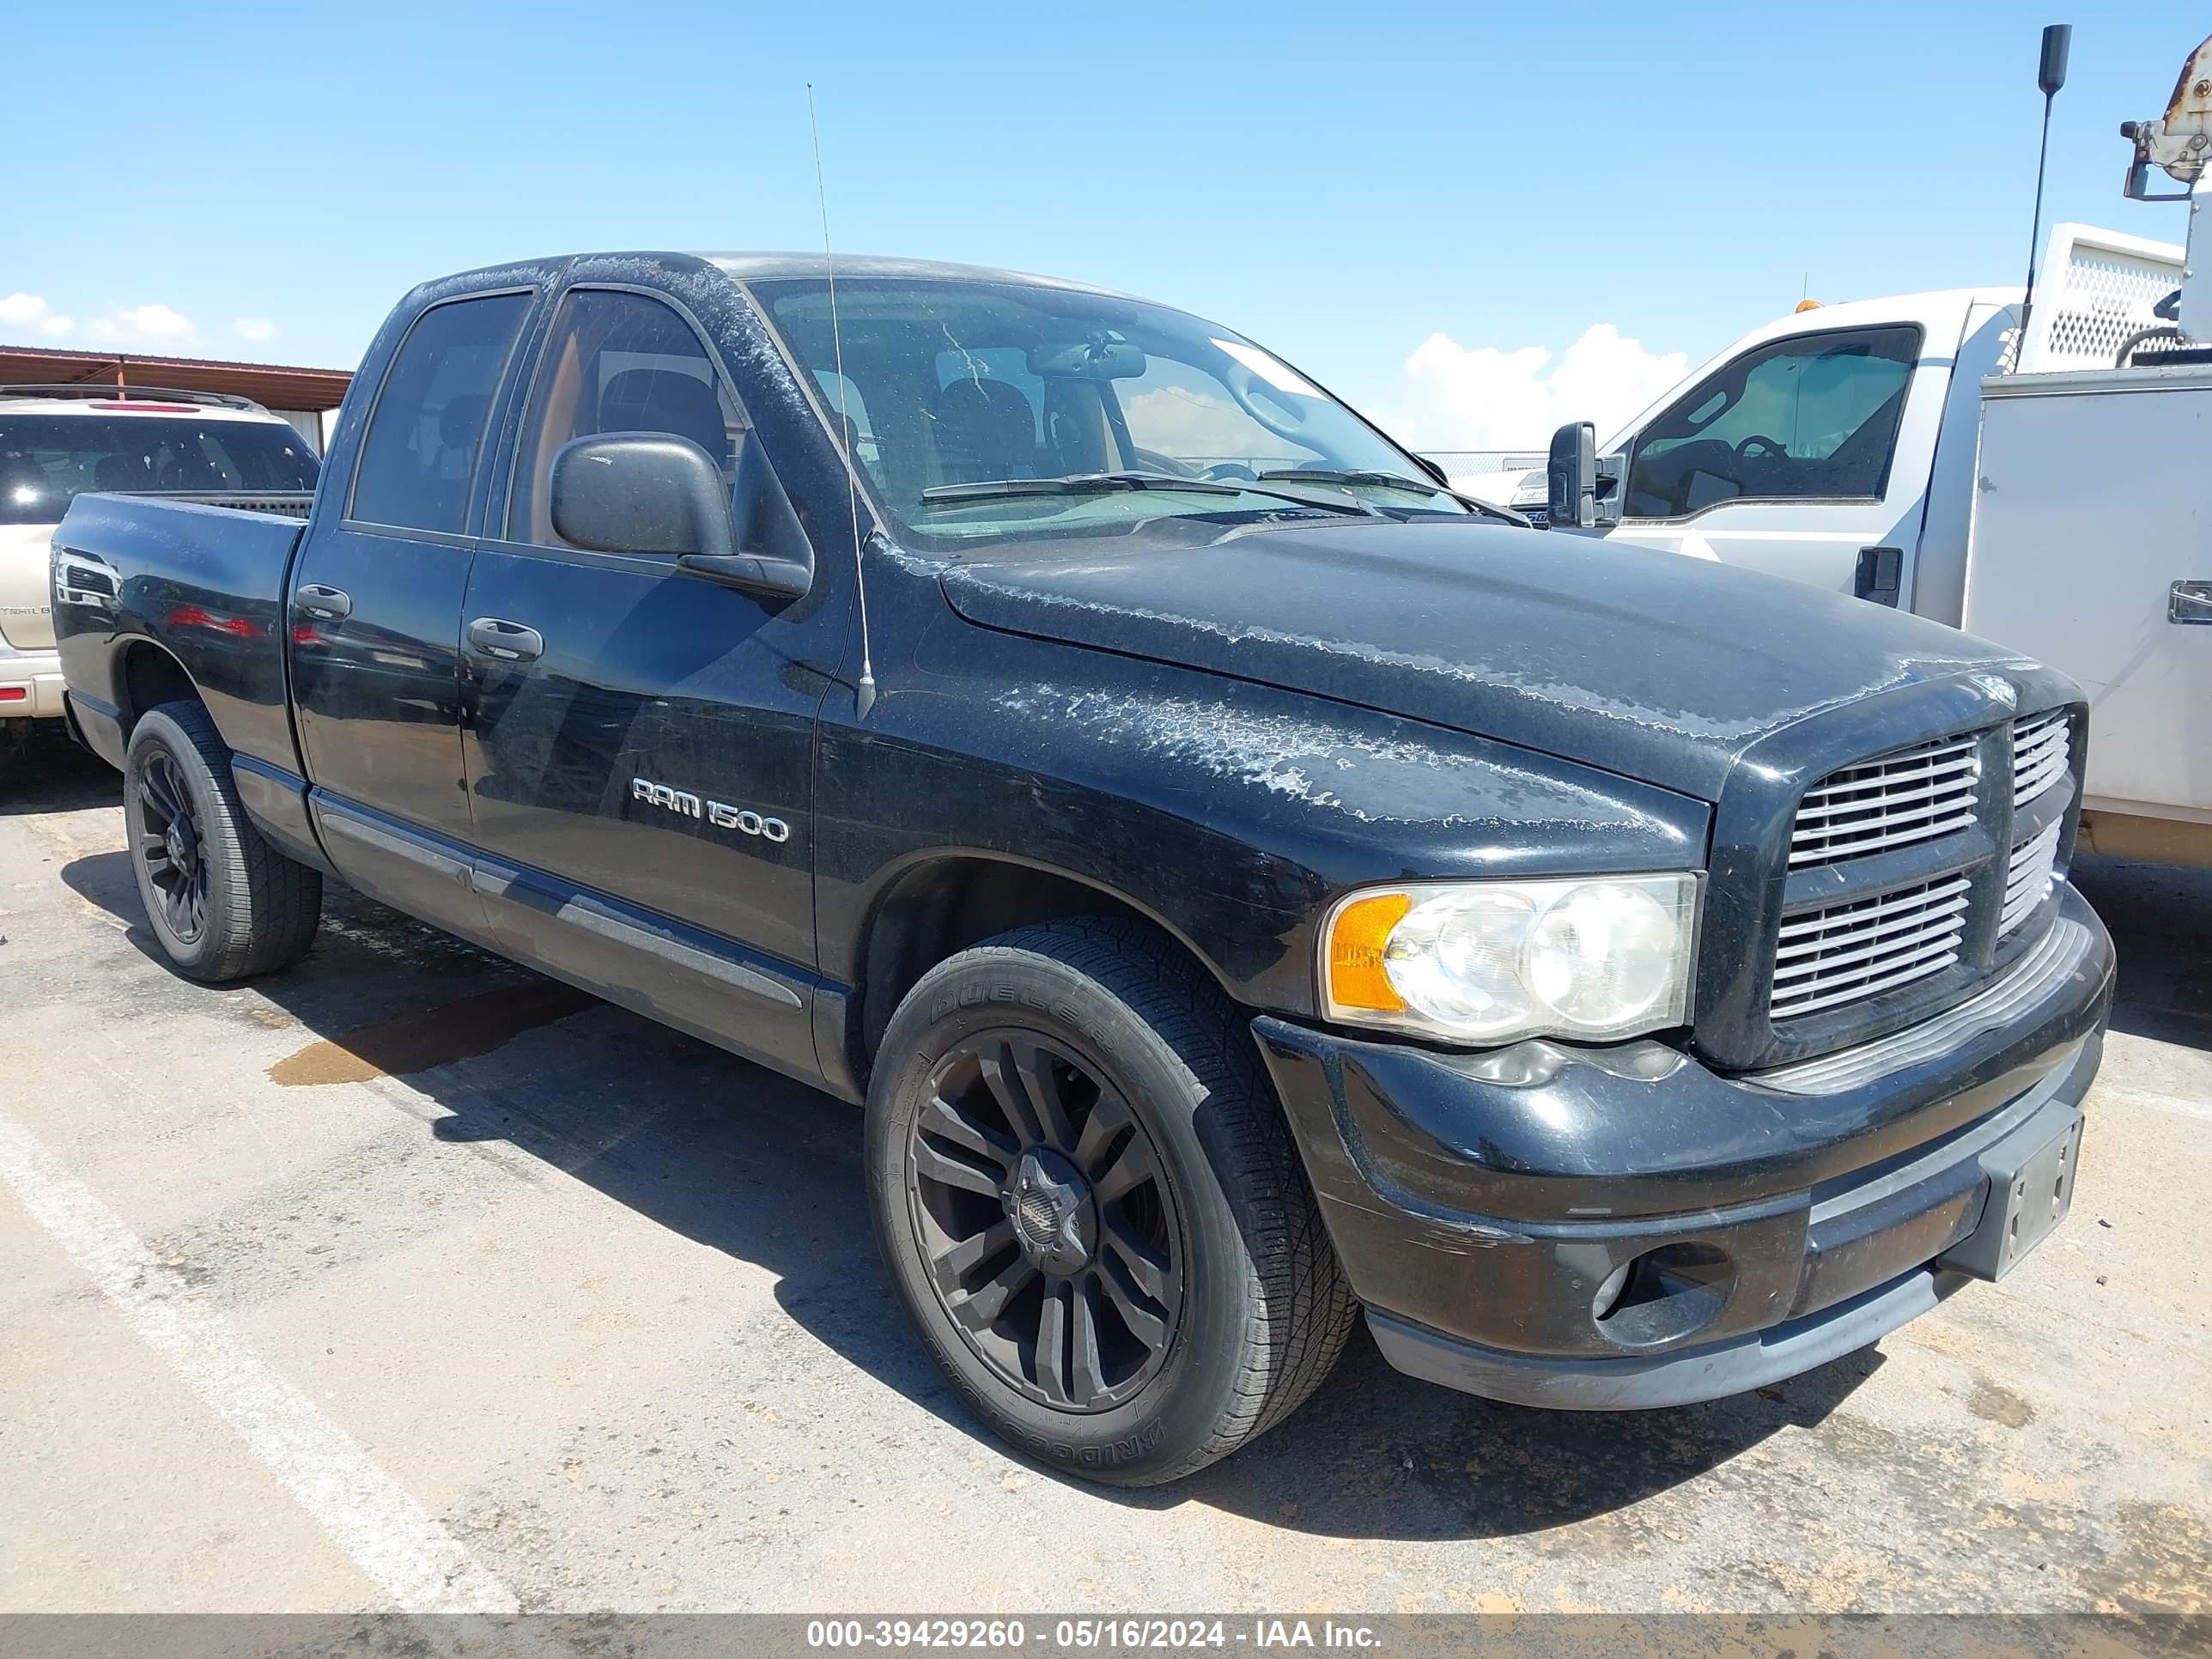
(223, 902)
(1091, 1206)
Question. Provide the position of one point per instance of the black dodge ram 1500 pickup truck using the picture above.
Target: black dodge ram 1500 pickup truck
(1246, 886)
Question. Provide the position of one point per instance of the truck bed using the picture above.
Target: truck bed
(204, 580)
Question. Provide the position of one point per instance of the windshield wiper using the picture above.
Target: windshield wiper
(1392, 480)
(1092, 484)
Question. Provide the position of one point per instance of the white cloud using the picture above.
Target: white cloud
(1459, 396)
(257, 329)
(143, 326)
(28, 310)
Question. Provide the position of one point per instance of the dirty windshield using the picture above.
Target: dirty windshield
(977, 410)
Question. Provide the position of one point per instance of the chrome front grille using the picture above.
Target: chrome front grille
(1909, 795)
(2028, 877)
(1864, 947)
(2042, 747)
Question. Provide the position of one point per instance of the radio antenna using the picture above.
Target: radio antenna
(2051, 76)
(864, 695)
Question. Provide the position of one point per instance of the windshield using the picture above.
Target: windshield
(47, 460)
(951, 385)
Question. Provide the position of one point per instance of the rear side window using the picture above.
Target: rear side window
(1809, 418)
(47, 459)
(424, 440)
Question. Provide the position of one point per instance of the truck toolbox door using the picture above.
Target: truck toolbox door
(640, 748)
(2076, 558)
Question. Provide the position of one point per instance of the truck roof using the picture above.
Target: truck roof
(768, 267)
(757, 267)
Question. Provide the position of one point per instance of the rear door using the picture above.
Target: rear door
(1798, 456)
(639, 745)
(376, 613)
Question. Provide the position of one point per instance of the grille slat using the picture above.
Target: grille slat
(1934, 791)
(1862, 948)
(2028, 877)
(1822, 956)
(2042, 752)
(1915, 795)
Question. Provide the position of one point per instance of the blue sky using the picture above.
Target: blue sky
(1342, 182)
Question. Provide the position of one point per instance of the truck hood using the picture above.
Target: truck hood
(1646, 664)
(27, 618)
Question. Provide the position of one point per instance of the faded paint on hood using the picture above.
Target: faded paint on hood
(27, 618)
(1656, 668)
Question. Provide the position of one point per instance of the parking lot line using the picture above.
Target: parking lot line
(389, 1535)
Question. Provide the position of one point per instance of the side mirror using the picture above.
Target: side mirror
(1571, 477)
(655, 493)
(1583, 490)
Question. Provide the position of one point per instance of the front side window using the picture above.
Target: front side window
(45, 460)
(419, 453)
(615, 362)
(979, 409)
(1815, 417)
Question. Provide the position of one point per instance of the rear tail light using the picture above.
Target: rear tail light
(14, 694)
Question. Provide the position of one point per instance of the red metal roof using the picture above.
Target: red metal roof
(274, 385)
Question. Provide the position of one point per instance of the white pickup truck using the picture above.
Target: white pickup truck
(1885, 448)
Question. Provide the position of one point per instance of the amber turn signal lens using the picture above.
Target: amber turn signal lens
(1357, 978)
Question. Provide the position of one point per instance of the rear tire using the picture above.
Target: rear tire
(1138, 1292)
(223, 902)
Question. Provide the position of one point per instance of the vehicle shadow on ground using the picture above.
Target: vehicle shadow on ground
(46, 772)
(2159, 916)
(770, 1172)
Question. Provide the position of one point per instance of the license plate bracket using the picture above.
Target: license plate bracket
(2031, 1176)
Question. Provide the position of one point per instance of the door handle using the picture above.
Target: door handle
(2189, 602)
(1880, 575)
(327, 603)
(506, 640)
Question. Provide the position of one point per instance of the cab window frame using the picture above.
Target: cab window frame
(487, 444)
(499, 512)
(1718, 382)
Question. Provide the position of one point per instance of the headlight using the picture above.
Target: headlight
(1490, 961)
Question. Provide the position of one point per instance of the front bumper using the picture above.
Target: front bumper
(1485, 1205)
(31, 686)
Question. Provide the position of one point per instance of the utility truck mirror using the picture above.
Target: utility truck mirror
(1572, 474)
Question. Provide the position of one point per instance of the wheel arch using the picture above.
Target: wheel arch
(935, 904)
(146, 674)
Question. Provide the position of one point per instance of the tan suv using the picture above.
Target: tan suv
(58, 440)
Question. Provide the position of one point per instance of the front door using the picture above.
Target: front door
(641, 745)
(1786, 459)
(376, 614)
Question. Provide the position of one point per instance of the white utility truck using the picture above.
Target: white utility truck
(2047, 489)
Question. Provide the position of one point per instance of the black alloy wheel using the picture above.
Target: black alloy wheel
(169, 846)
(1052, 1238)
(221, 902)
